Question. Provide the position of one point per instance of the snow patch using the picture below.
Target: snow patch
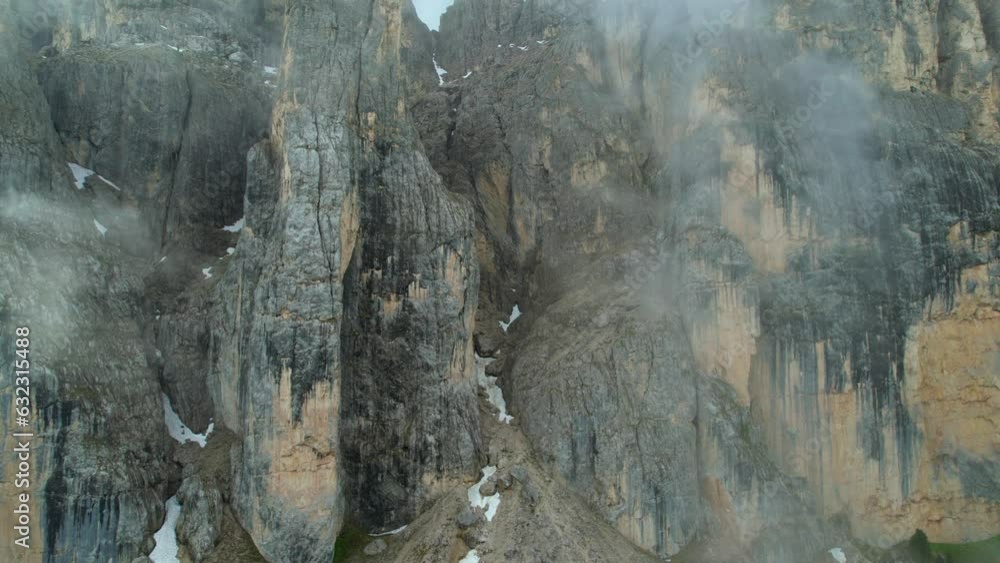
(390, 533)
(489, 504)
(178, 430)
(235, 227)
(542, 42)
(471, 557)
(440, 71)
(468, 74)
(493, 392)
(523, 48)
(109, 182)
(80, 174)
(100, 228)
(166, 538)
(207, 272)
(270, 70)
(513, 317)
(230, 251)
(838, 555)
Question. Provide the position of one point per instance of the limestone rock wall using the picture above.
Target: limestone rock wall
(99, 455)
(755, 245)
(346, 358)
(802, 173)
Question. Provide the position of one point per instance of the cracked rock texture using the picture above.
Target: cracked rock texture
(754, 244)
(760, 213)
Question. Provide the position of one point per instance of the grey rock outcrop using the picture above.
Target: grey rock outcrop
(79, 255)
(95, 413)
(375, 547)
(200, 522)
(155, 119)
(468, 518)
(173, 135)
(770, 176)
(350, 242)
(754, 244)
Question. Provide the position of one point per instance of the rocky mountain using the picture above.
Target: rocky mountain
(268, 253)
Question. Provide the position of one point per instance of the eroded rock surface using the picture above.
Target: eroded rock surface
(764, 202)
(754, 246)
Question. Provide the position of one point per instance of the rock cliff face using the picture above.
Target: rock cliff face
(754, 243)
(73, 267)
(805, 179)
(346, 359)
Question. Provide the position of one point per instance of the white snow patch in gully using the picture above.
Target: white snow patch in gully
(493, 392)
(440, 71)
(207, 272)
(468, 74)
(109, 182)
(166, 538)
(80, 174)
(390, 533)
(491, 503)
(839, 555)
(270, 70)
(100, 228)
(471, 557)
(513, 317)
(235, 227)
(178, 430)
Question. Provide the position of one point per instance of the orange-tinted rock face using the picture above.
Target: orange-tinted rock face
(799, 167)
(755, 245)
(351, 333)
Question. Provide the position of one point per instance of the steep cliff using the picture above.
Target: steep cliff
(814, 187)
(268, 251)
(73, 260)
(102, 469)
(345, 356)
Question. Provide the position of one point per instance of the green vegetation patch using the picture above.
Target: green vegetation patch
(985, 551)
(919, 550)
(351, 541)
